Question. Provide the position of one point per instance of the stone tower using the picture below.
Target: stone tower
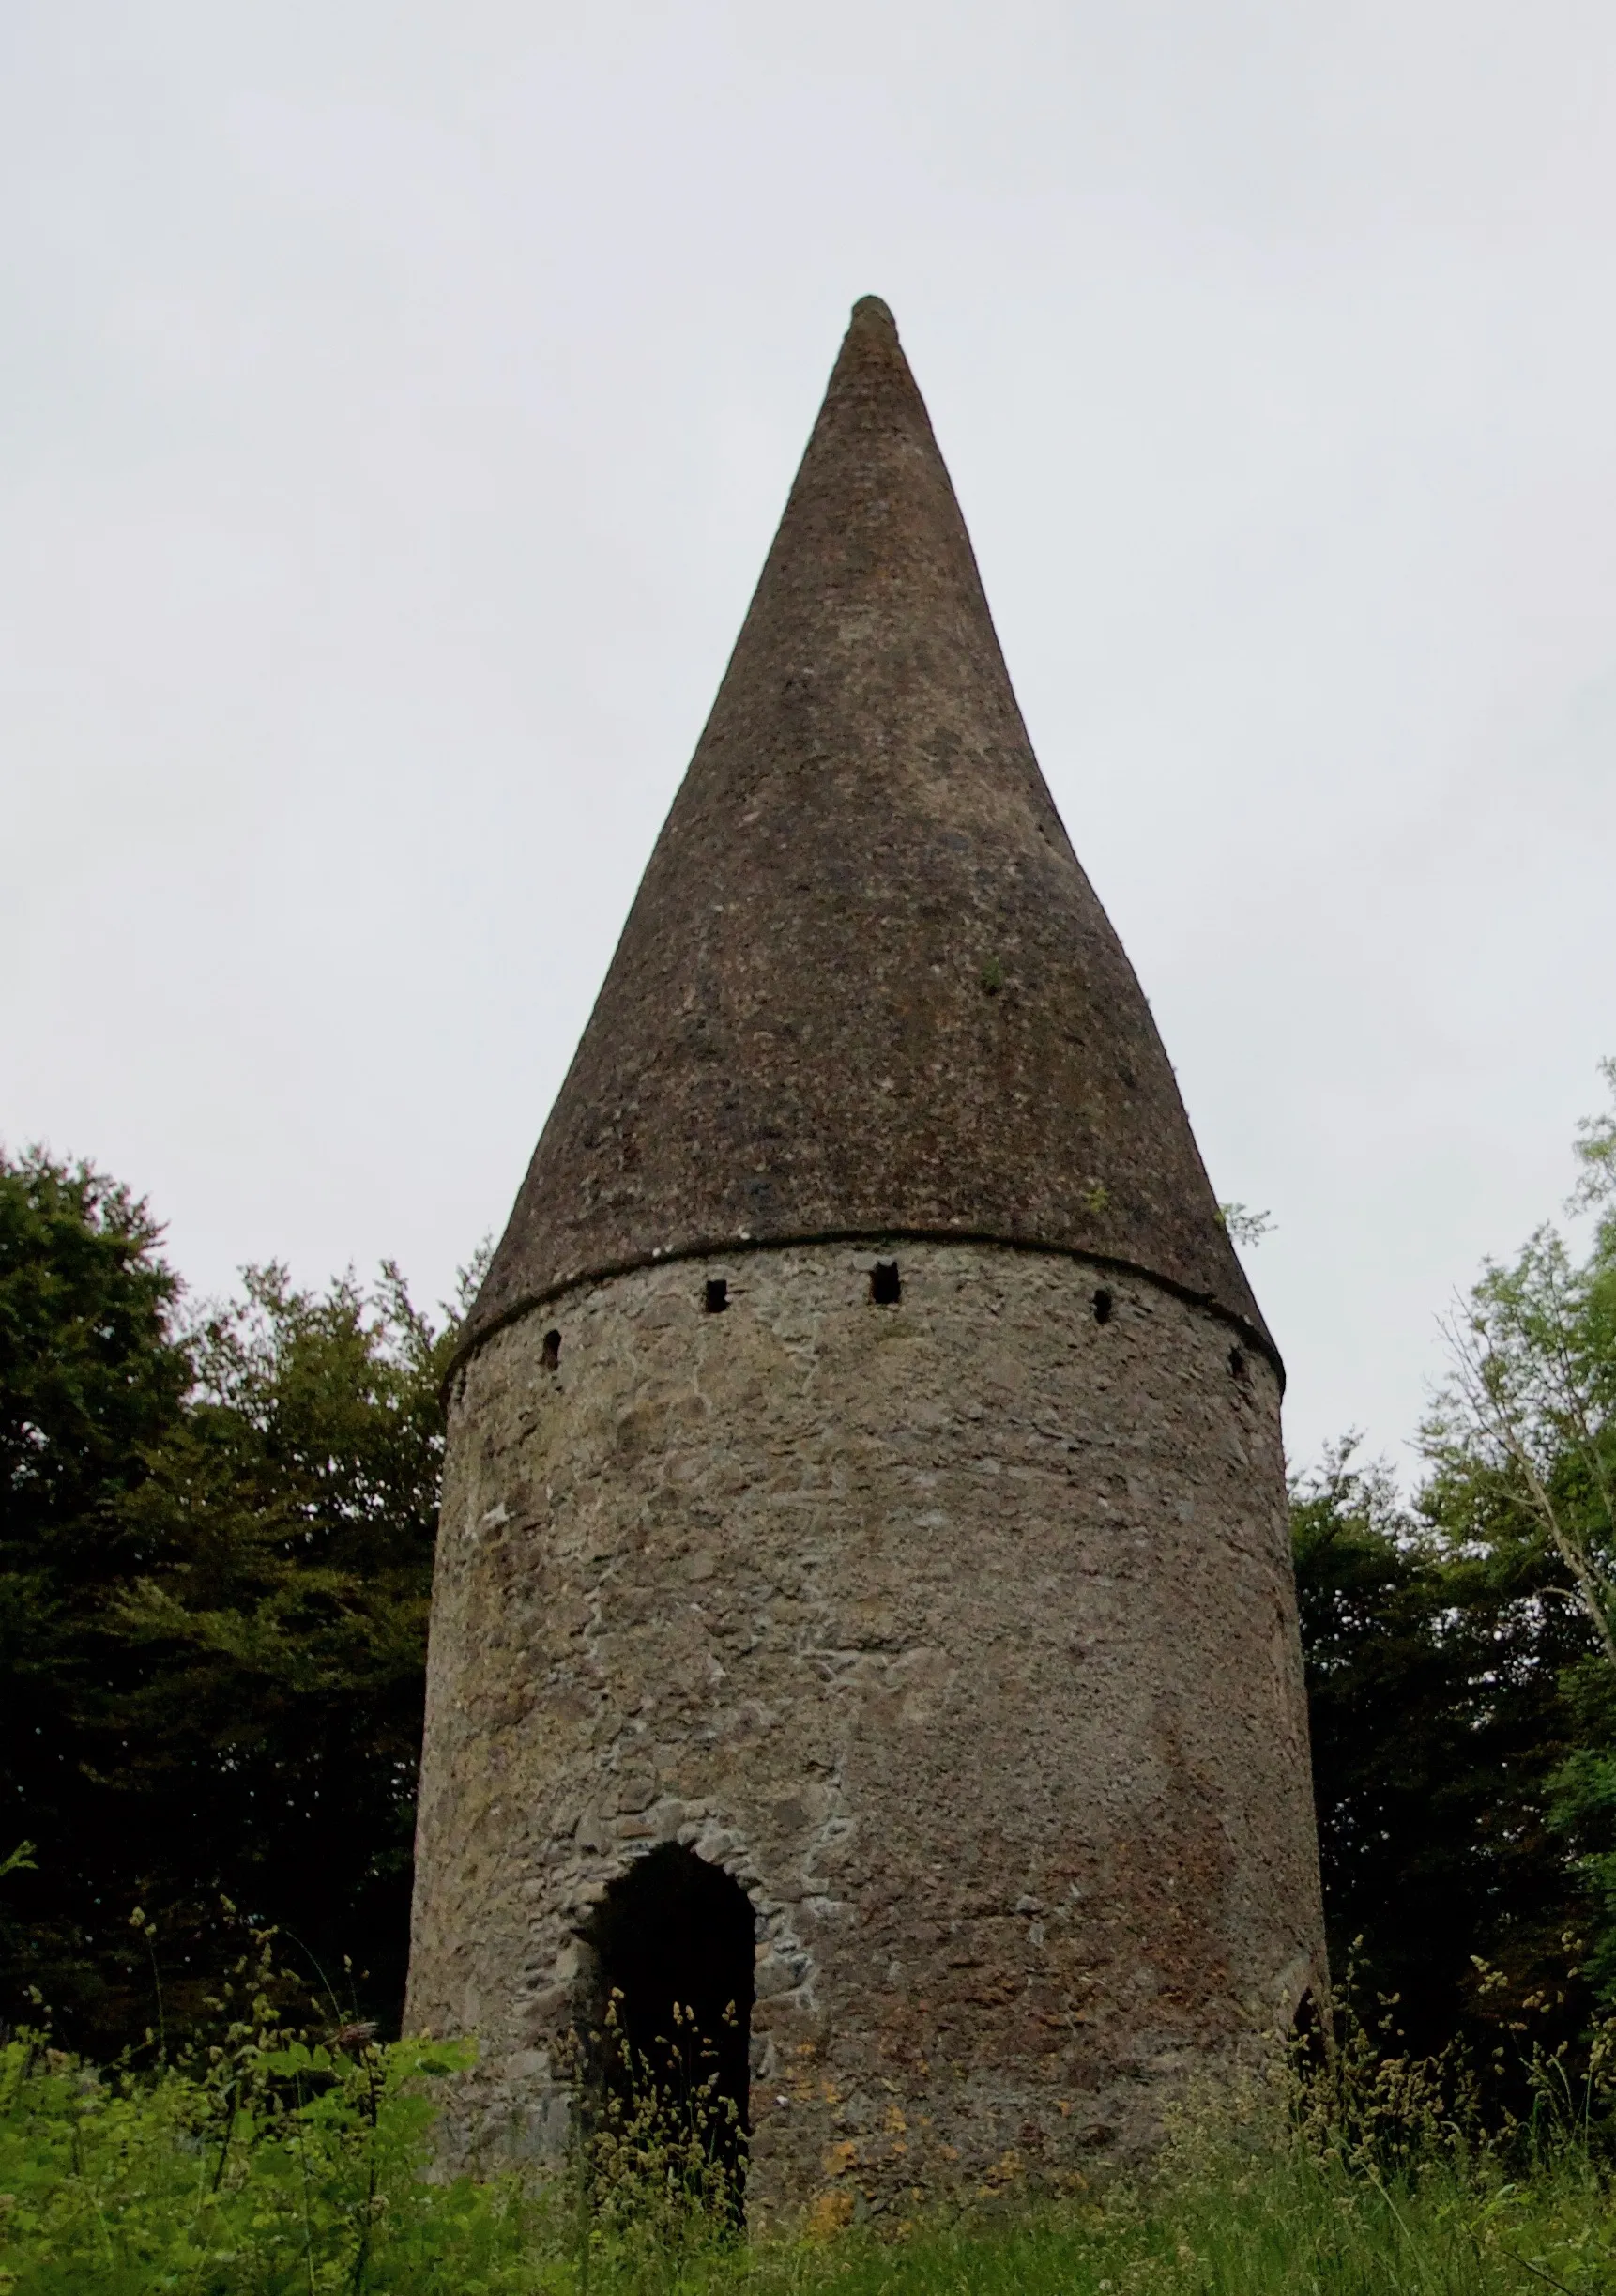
(863, 1598)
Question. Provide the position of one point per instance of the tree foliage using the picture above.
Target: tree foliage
(1523, 1447)
(92, 1386)
(1436, 1694)
(218, 1566)
(1462, 1660)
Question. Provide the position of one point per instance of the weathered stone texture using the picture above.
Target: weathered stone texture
(962, 1633)
(865, 987)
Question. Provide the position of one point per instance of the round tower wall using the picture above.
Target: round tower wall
(961, 1630)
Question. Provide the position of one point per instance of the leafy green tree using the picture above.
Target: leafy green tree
(1434, 1671)
(1523, 1447)
(214, 1587)
(92, 1386)
(1530, 1408)
(1461, 1660)
(274, 1733)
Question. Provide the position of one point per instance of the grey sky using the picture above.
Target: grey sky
(398, 402)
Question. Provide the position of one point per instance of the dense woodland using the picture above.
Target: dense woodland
(216, 1554)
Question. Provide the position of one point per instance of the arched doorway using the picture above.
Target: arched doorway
(673, 1941)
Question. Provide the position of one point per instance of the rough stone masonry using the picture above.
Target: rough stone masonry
(865, 1473)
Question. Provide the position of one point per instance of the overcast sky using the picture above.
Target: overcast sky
(397, 404)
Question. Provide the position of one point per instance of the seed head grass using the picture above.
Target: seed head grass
(274, 2162)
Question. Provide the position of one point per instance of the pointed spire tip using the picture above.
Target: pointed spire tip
(872, 307)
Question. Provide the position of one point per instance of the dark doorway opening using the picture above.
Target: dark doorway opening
(673, 1941)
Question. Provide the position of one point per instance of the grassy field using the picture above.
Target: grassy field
(271, 2167)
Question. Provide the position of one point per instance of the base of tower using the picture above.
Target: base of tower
(939, 1596)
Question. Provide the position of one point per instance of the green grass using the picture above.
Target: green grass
(273, 2168)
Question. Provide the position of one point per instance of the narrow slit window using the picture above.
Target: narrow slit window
(1237, 1363)
(715, 1295)
(550, 1356)
(1104, 1304)
(885, 1288)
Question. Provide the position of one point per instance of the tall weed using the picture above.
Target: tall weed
(279, 2163)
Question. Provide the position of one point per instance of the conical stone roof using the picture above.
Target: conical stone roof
(866, 988)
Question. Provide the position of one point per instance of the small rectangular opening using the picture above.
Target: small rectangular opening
(885, 1288)
(715, 1295)
(549, 1354)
